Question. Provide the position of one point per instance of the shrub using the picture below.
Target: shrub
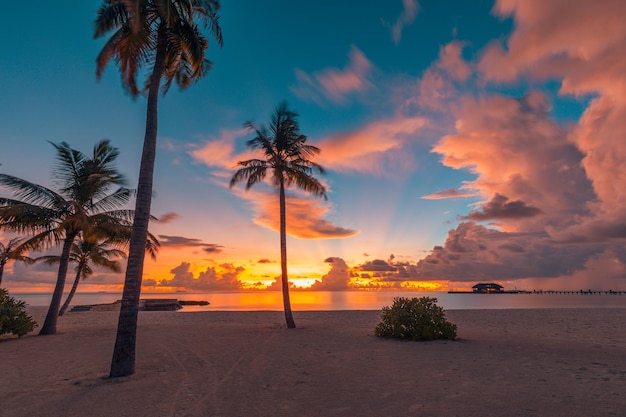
(415, 319)
(13, 317)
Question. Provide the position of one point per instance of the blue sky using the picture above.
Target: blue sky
(408, 100)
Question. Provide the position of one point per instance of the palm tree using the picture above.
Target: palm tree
(83, 253)
(83, 201)
(12, 251)
(162, 35)
(286, 155)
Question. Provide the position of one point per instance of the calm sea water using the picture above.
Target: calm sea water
(351, 300)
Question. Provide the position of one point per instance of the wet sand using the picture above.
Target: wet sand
(562, 362)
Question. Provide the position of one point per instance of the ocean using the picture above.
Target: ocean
(350, 300)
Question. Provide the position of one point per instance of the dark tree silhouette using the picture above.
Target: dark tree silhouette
(83, 201)
(287, 157)
(163, 36)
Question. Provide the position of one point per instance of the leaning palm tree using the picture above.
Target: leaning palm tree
(163, 36)
(286, 155)
(85, 252)
(12, 251)
(83, 201)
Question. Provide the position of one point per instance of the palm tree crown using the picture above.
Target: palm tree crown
(286, 156)
(84, 201)
(162, 35)
(145, 31)
(13, 250)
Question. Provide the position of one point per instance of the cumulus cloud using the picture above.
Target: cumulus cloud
(501, 208)
(222, 278)
(338, 278)
(523, 160)
(336, 84)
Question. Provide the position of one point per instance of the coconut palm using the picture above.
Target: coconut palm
(12, 251)
(163, 36)
(85, 252)
(286, 155)
(83, 201)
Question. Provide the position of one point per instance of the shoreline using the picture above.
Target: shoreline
(526, 362)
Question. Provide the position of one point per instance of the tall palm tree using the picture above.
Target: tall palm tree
(83, 201)
(286, 155)
(161, 35)
(12, 251)
(85, 252)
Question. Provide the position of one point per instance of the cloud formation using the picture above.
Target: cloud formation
(180, 241)
(334, 84)
(449, 193)
(376, 148)
(409, 13)
(222, 278)
(305, 214)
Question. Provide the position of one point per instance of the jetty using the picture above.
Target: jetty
(149, 304)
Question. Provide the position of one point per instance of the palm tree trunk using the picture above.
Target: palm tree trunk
(123, 361)
(1, 271)
(50, 324)
(291, 324)
(68, 300)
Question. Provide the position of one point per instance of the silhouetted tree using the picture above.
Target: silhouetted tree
(163, 36)
(286, 156)
(12, 251)
(83, 201)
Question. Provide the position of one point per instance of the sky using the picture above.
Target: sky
(464, 142)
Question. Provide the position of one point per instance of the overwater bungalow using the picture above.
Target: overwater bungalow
(487, 288)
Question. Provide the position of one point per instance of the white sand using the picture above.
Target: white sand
(507, 363)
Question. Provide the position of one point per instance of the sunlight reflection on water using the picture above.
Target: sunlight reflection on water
(351, 300)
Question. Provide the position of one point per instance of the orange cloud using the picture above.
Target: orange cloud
(374, 148)
(305, 216)
(333, 84)
(450, 193)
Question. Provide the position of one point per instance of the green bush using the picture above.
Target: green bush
(415, 319)
(13, 317)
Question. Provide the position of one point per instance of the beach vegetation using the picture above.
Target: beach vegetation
(12, 250)
(84, 200)
(13, 316)
(415, 319)
(286, 156)
(161, 38)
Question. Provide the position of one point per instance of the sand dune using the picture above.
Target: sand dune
(507, 363)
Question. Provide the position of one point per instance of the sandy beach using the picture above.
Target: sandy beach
(507, 363)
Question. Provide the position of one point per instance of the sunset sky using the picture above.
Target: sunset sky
(464, 141)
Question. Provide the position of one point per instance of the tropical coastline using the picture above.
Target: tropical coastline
(354, 300)
(531, 362)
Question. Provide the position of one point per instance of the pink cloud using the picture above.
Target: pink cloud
(409, 13)
(219, 152)
(581, 42)
(450, 193)
(334, 84)
(374, 148)
(305, 215)
(516, 151)
(439, 85)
